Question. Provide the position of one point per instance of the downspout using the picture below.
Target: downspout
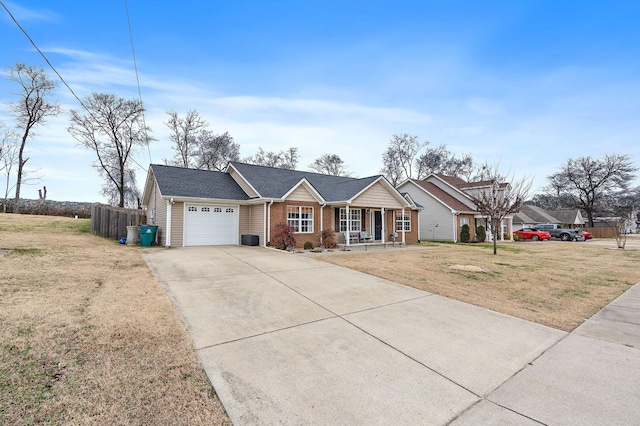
(264, 225)
(455, 226)
(167, 242)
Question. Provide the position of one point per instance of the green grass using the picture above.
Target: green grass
(21, 251)
(50, 225)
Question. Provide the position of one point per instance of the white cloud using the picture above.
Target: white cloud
(22, 14)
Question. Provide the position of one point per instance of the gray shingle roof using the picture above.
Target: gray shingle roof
(275, 183)
(533, 214)
(183, 182)
(565, 216)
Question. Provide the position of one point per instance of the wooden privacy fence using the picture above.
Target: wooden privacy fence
(112, 222)
(602, 231)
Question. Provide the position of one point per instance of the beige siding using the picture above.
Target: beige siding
(177, 224)
(301, 193)
(252, 221)
(377, 196)
(244, 221)
(160, 206)
(242, 183)
(257, 221)
(436, 220)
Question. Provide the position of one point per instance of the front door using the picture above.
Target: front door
(377, 220)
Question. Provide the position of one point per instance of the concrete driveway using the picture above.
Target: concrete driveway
(287, 339)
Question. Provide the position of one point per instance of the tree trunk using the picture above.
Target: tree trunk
(16, 207)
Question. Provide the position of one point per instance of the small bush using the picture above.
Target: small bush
(481, 234)
(308, 245)
(465, 236)
(517, 237)
(328, 239)
(283, 238)
(505, 236)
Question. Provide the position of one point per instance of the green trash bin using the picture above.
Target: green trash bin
(147, 234)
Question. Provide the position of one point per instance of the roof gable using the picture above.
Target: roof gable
(193, 183)
(271, 182)
(443, 196)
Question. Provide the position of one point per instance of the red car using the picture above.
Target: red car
(586, 235)
(532, 234)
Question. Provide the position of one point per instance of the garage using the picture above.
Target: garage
(210, 225)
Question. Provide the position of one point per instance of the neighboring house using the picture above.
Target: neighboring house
(529, 216)
(198, 207)
(447, 206)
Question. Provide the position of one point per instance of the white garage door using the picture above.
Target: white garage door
(210, 225)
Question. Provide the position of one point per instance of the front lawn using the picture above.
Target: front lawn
(87, 334)
(552, 283)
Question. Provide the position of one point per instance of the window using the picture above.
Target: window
(193, 209)
(301, 218)
(356, 220)
(464, 221)
(229, 210)
(403, 222)
(206, 209)
(217, 210)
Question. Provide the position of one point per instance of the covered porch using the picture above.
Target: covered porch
(366, 226)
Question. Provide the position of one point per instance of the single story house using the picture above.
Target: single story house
(447, 206)
(529, 216)
(199, 207)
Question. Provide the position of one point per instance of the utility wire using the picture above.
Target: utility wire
(135, 67)
(63, 80)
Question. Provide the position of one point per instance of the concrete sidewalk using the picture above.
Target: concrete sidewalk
(286, 339)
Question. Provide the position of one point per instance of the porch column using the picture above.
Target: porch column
(403, 218)
(510, 228)
(383, 220)
(346, 236)
(167, 238)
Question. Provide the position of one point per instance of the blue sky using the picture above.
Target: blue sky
(526, 84)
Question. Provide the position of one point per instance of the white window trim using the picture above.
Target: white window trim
(355, 220)
(297, 222)
(403, 220)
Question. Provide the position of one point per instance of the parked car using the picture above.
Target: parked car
(533, 234)
(587, 235)
(557, 232)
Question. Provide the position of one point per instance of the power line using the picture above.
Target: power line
(135, 67)
(66, 84)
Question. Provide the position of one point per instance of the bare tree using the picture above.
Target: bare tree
(8, 158)
(216, 151)
(586, 181)
(441, 160)
(499, 198)
(287, 159)
(30, 110)
(113, 128)
(330, 164)
(132, 193)
(184, 135)
(398, 161)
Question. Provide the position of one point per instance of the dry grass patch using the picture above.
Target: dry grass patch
(552, 283)
(87, 334)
